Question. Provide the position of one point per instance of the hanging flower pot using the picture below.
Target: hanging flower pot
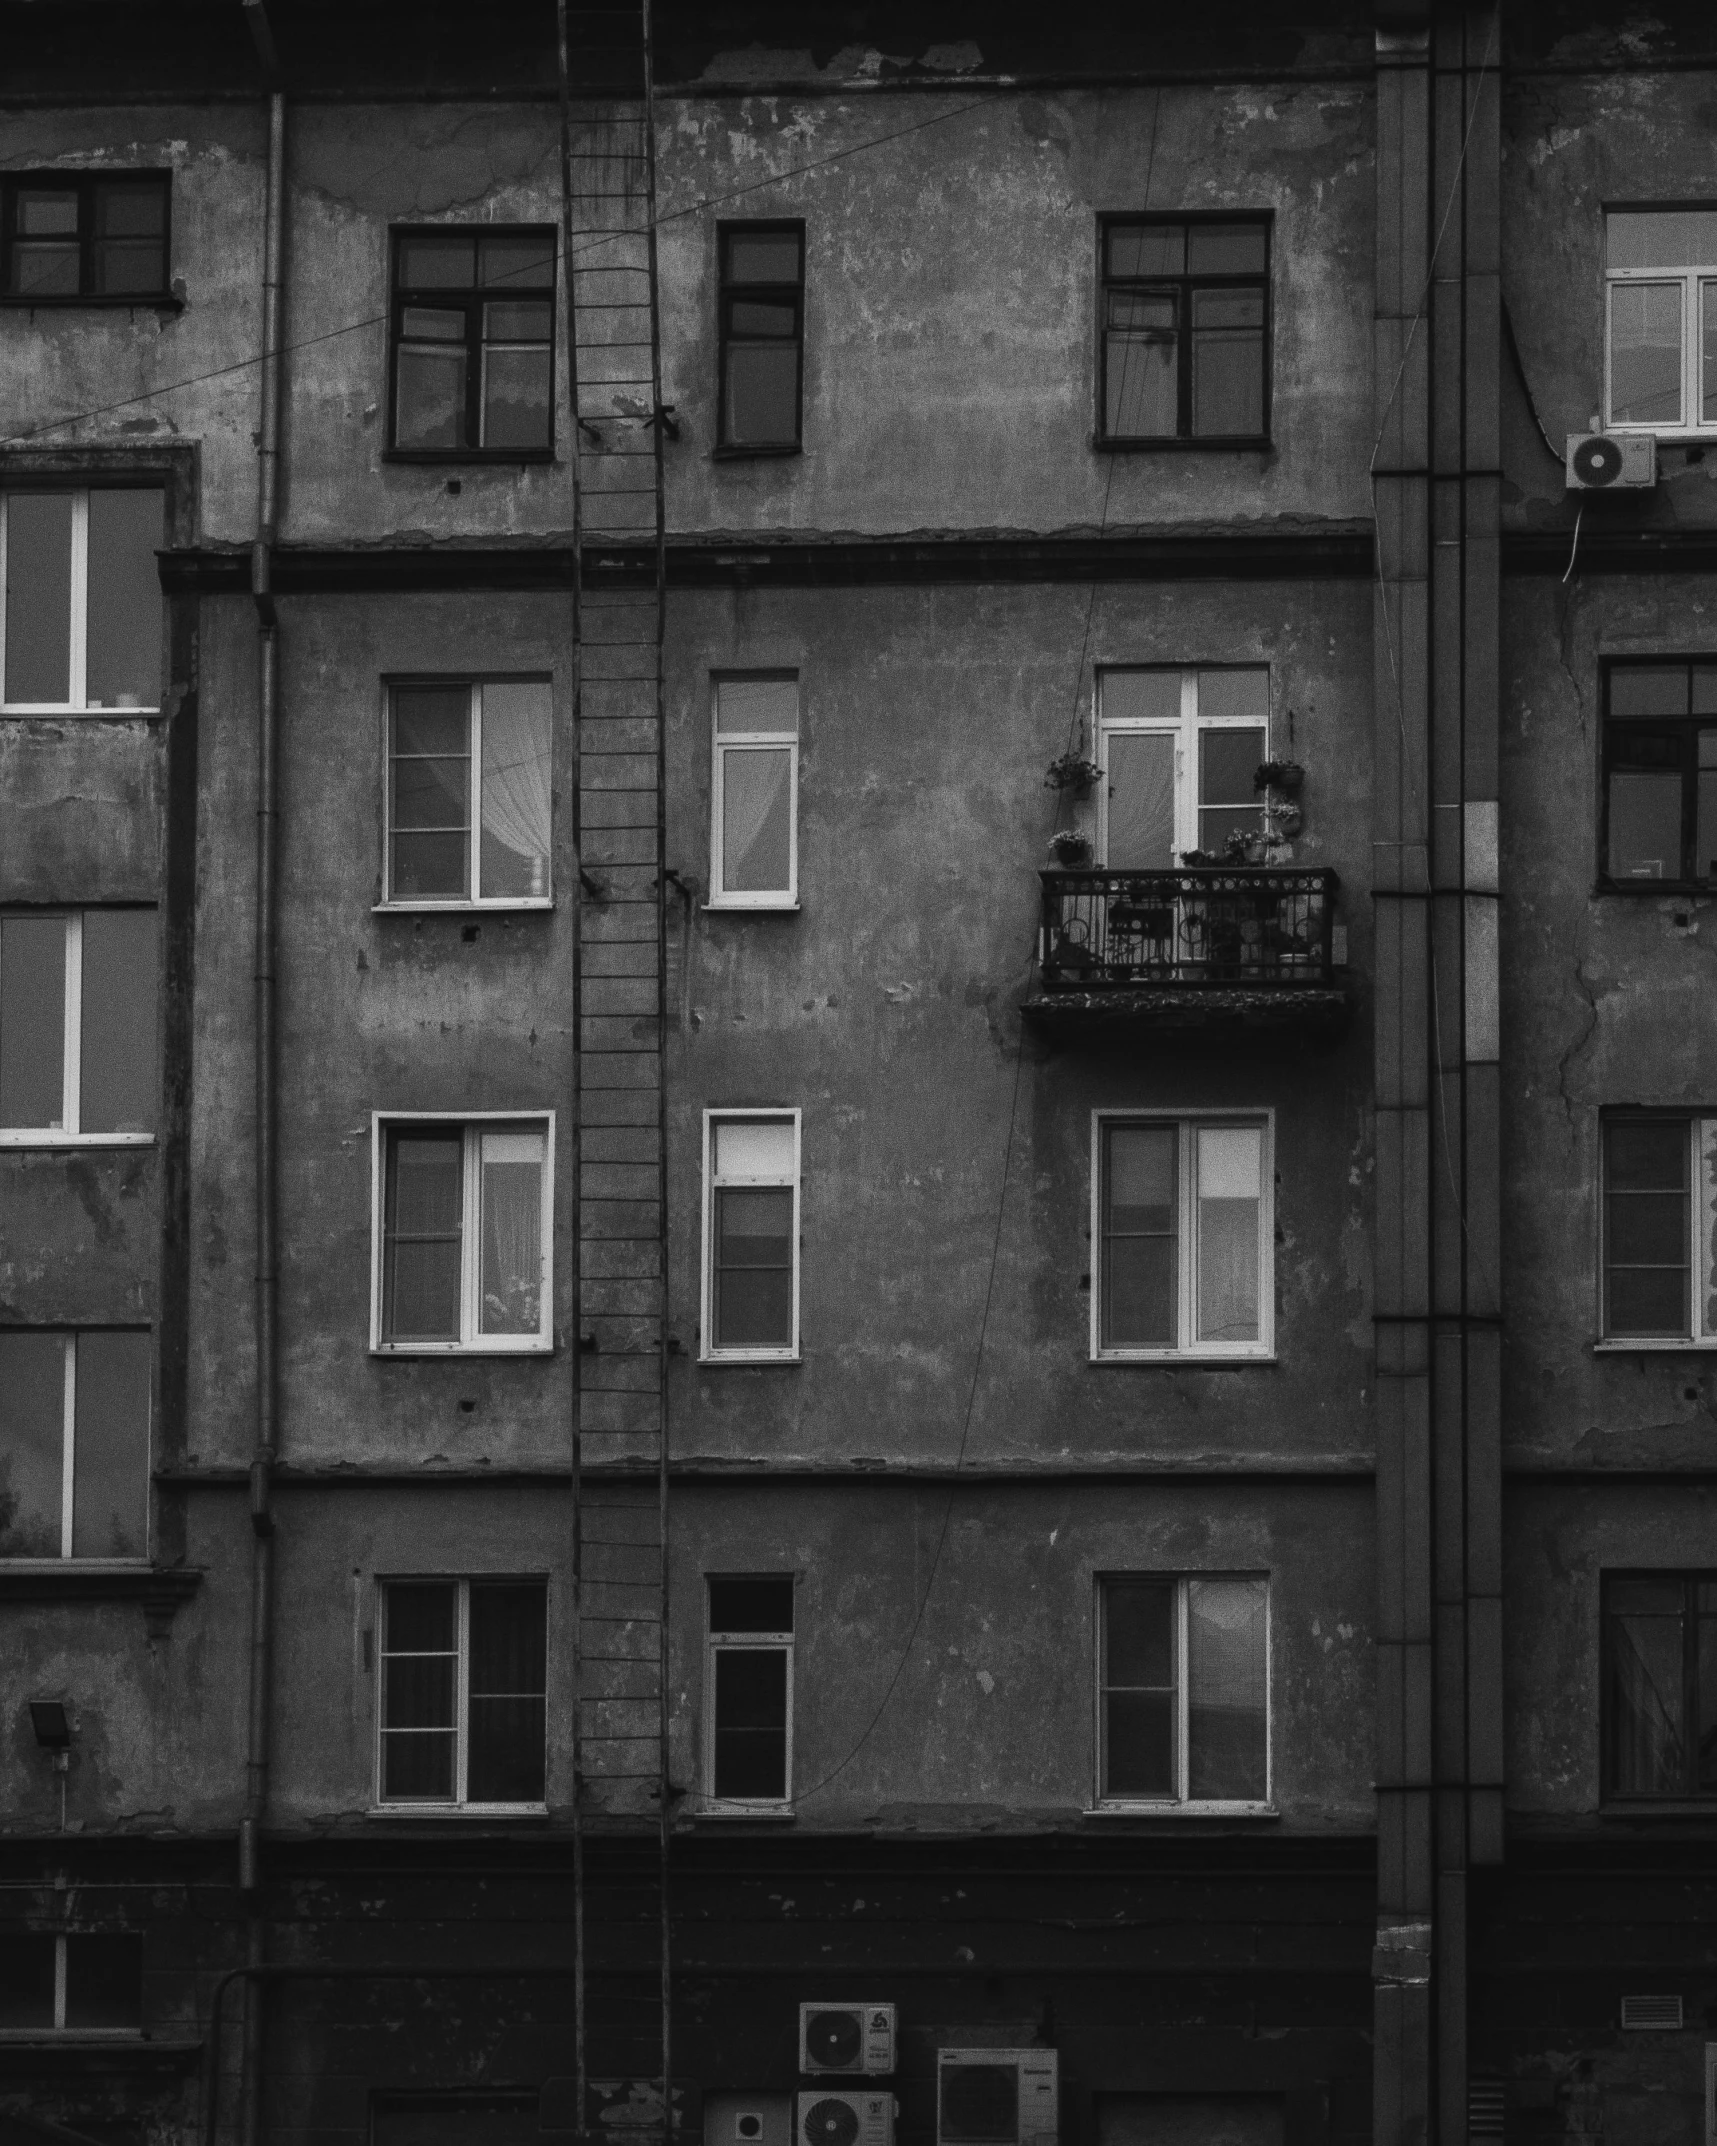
(1283, 775)
(1072, 772)
(1070, 848)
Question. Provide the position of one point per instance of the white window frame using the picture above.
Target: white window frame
(77, 676)
(1701, 1129)
(468, 901)
(1184, 730)
(68, 1464)
(724, 742)
(59, 2030)
(1190, 1350)
(1692, 349)
(1181, 1802)
(440, 1807)
(67, 1134)
(471, 1342)
(707, 1351)
(717, 1643)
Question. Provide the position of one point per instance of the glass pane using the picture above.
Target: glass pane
(1230, 1160)
(432, 794)
(754, 1274)
(1141, 370)
(110, 1450)
(1227, 363)
(1661, 238)
(104, 1981)
(32, 1445)
(1225, 250)
(1226, 1704)
(1150, 696)
(753, 317)
(762, 395)
(126, 529)
(1138, 1744)
(26, 1976)
(429, 868)
(1660, 1597)
(754, 1147)
(1139, 1286)
(32, 1022)
(1139, 1252)
(38, 597)
(425, 324)
(516, 322)
(1227, 761)
(519, 263)
(1705, 689)
(123, 265)
(117, 1058)
(756, 820)
(1141, 1179)
(1139, 1633)
(1650, 1155)
(1645, 353)
(130, 238)
(1648, 689)
(1648, 1229)
(1146, 249)
(506, 1760)
(518, 801)
(130, 211)
(1708, 353)
(417, 1765)
(1645, 825)
(751, 1605)
(758, 704)
(1140, 799)
(508, 1658)
(1644, 1300)
(1705, 1698)
(431, 404)
(515, 395)
(1647, 1752)
(751, 1722)
(512, 1165)
(1705, 826)
(437, 261)
(419, 1617)
(431, 719)
(1234, 692)
(47, 214)
(422, 1265)
(762, 256)
(44, 268)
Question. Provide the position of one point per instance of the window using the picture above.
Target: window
(1660, 1229)
(464, 1693)
(1661, 290)
(749, 1748)
(1179, 749)
(77, 1982)
(1660, 1684)
(463, 1242)
(473, 343)
(1185, 307)
(1660, 774)
(81, 626)
(450, 743)
(77, 1027)
(762, 335)
(1182, 1228)
(754, 839)
(80, 235)
(74, 1443)
(1183, 1690)
(751, 1236)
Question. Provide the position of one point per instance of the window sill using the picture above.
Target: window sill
(99, 301)
(1242, 443)
(11, 1139)
(728, 905)
(469, 457)
(73, 2037)
(1182, 1359)
(758, 452)
(749, 1356)
(1654, 1345)
(1658, 1807)
(490, 1347)
(1181, 1811)
(64, 708)
(457, 1811)
(778, 1814)
(1674, 435)
(462, 909)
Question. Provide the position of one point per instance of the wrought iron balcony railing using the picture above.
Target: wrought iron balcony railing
(1222, 926)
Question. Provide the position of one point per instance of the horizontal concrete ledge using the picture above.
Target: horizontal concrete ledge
(159, 1589)
(1609, 551)
(713, 1468)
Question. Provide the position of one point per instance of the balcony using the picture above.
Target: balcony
(1210, 945)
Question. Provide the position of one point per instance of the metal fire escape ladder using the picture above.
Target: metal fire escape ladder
(621, 1584)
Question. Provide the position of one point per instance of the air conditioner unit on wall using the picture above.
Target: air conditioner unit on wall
(850, 2039)
(1611, 461)
(997, 2097)
(845, 2116)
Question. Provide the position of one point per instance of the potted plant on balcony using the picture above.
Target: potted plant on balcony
(1193, 858)
(1246, 846)
(1285, 776)
(1072, 771)
(1070, 848)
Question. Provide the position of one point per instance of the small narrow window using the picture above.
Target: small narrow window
(463, 1244)
(77, 1027)
(754, 839)
(762, 337)
(79, 1982)
(470, 796)
(74, 1443)
(1185, 310)
(68, 237)
(751, 1236)
(464, 1693)
(749, 1744)
(1660, 775)
(1183, 1690)
(473, 343)
(1661, 299)
(80, 628)
(1660, 1228)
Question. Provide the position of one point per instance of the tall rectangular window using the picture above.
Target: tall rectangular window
(1185, 329)
(1179, 749)
(464, 1693)
(749, 1686)
(74, 1443)
(77, 1027)
(1183, 1671)
(464, 1219)
(473, 343)
(1660, 1684)
(470, 792)
(75, 236)
(751, 1236)
(80, 628)
(1182, 1228)
(1661, 300)
(1660, 1228)
(754, 836)
(71, 1982)
(762, 335)
(1660, 775)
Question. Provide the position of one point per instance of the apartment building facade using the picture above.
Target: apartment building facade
(853, 1077)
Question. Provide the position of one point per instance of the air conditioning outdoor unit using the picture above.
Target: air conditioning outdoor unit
(845, 2116)
(1611, 462)
(997, 2097)
(850, 2039)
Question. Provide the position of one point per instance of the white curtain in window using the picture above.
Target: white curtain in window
(517, 764)
(1141, 801)
(512, 1233)
(1230, 1159)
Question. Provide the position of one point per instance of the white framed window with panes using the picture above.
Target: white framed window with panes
(81, 620)
(1179, 746)
(748, 1692)
(463, 1713)
(1659, 1230)
(1660, 325)
(74, 1443)
(470, 799)
(754, 791)
(462, 1223)
(750, 1236)
(1182, 1692)
(78, 1021)
(1182, 1236)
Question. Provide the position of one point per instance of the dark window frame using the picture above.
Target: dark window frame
(1690, 1579)
(1183, 439)
(727, 1638)
(471, 682)
(1688, 726)
(445, 298)
(461, 1585)
(84, 184)
(1690, 1124)
(729, 293)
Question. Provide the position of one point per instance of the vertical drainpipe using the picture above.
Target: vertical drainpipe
(267, 1372)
